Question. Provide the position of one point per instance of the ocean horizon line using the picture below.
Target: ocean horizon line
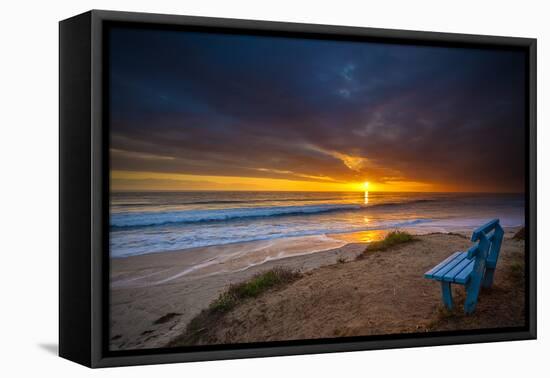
(306, 191)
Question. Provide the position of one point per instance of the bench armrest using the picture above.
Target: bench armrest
(472, 251)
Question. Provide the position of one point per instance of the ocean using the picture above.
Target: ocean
(152, 222)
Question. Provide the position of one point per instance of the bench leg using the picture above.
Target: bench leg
(472, 292)
(488, 278)
(447, 294)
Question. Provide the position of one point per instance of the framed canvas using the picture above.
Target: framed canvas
(234, 188)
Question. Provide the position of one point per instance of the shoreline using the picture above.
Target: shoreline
(154, 296)
(162, 267)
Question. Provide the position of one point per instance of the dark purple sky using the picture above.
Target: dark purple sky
(317, 110)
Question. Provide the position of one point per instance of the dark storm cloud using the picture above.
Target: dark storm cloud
(198, 103)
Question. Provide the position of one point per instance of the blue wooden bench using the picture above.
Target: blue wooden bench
(473, 269)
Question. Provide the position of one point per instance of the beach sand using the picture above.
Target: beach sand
(154, 296)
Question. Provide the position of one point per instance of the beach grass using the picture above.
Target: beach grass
(392, 239)
(252, 288)
(233, 296)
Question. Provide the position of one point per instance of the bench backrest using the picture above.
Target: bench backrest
(493, 233)
(486, 250)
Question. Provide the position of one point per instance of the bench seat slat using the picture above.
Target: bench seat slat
(464, 276)
(431, 272)
(451, 274)
(450, 265)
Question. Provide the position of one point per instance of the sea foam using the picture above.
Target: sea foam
(146, 219)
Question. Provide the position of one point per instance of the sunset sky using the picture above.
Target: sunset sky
(197, 111)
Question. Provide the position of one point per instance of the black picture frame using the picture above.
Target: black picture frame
(84, 190)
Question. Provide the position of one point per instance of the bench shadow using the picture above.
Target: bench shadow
(51, 348)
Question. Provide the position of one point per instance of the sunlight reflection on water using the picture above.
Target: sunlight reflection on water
(362, 236)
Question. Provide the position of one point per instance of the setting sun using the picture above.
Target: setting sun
(366, 185)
